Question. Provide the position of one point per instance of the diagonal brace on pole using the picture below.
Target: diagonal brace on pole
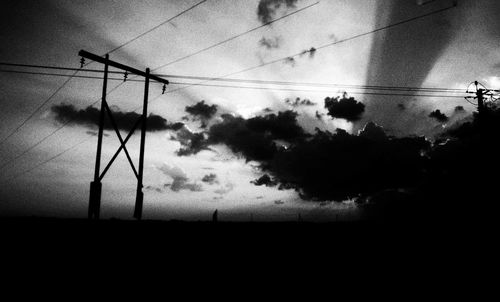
(96, 185)
(115, 126)
(122, 146)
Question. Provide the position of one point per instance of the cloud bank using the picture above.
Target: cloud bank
(89, 117)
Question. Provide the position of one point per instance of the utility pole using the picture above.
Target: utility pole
(96, 185)
(140, 195)
(480, 101)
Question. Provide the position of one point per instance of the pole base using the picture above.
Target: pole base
(138, 204)
(95, 200)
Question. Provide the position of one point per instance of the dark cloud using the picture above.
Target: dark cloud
(235, 133)
(279, 202)
(278, 126)
(378, 170)
(270, 43)
(299, 102)
(319, 115)
(210, 179)
(373, 131)
(323, 166)
(254, 138)
(459, 109)
(345, 108)
(341, 166)
(401, 106)
(264, 180)
(191, 142)
(201, 111)
(267, 9)
(89, 117)
(439, 116)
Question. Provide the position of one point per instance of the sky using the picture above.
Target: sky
(450, 50)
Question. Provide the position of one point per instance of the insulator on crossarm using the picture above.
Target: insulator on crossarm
(125, 76)
(163, 89)
(82, 62)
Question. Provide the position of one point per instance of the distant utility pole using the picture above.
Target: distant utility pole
(96, 185)
(482, 95)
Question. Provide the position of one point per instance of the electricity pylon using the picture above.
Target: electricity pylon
(96, 185)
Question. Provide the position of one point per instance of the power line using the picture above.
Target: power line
(271, 82)
(12, 160)
(235, 37)
(124, 44)
(260, 82)
(322, 46)
(83, 65)
(46, 161)
(49, 135)
(317, 91)
(401, 92)
(38, 108)
(302, 53)
(386, 27)
(157, 26)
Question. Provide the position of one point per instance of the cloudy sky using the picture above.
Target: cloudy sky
(449, 49)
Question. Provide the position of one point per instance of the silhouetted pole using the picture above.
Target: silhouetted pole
(140, 195)
(215, 217)
(96, 185)
(480, 101)
(480, 109)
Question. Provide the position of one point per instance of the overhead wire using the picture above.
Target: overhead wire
(46, 161)
(321, 47)
(41, 105)
(262, 82)
(295, 55)
(235, 37)
(246, 81)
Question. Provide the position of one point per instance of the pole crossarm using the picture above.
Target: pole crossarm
(102, 60)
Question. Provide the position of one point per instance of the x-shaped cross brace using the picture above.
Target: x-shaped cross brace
(122, 142)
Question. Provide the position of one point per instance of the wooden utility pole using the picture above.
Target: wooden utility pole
(96, 185)
(140, 195)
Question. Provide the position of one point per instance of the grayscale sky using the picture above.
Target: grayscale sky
(449, 50)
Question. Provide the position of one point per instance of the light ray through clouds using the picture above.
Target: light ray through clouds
(393, 57)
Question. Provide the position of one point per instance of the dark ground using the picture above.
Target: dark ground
(214, 259)
(246, 236)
